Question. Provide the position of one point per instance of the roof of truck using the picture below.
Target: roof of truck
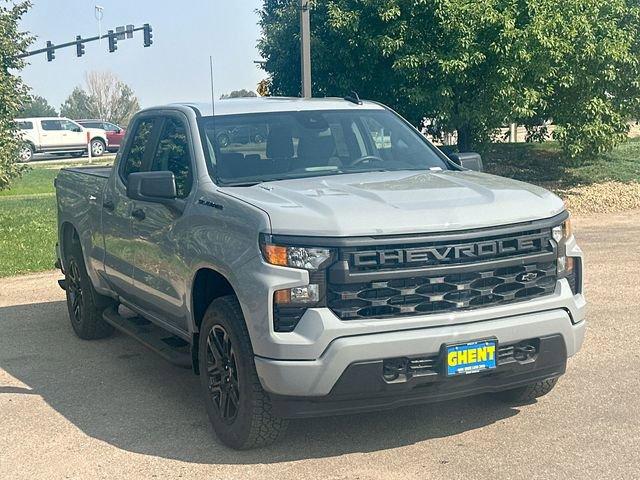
(237, 106)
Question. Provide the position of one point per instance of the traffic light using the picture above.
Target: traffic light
(148, 35)
(79, 46)
(51, 53)
(113, 41)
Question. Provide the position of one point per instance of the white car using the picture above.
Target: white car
(59, 135)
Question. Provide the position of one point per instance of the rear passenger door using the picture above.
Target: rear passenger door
(51, 134)
(161, 274)
(119, 242)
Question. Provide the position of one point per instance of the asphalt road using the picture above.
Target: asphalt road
(111, 409)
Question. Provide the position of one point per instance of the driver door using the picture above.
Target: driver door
(161, 270)
(73, 134)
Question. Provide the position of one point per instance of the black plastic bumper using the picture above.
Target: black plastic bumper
(362, 387)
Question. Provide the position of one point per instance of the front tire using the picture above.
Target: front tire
(98, 147)
(238, 407)
(84, 304)
(528, 393)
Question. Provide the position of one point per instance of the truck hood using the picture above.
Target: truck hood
(392, 203)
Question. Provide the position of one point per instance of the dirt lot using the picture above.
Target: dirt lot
(111, 409)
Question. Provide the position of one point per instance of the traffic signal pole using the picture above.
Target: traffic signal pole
(305, 47)
(120, 34)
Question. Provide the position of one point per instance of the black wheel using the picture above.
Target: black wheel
(527, 393)
(224, 140)
(26, 153)
(237, 406)
(85, 305)
(98, 147)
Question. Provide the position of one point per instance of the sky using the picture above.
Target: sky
(175, 68)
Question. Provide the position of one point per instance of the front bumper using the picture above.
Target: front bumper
(363, 386)
(317, 378)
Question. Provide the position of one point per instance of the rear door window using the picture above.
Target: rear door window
(50, 125)
(139, 149)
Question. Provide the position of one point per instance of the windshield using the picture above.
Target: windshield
(254, 148)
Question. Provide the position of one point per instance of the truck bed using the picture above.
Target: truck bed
(102, 172)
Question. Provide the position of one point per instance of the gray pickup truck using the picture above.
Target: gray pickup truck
(338, 262)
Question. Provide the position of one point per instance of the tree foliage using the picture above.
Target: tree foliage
(13, 92)
(473, 66)
(238, 94)
(104, 96)
(37, 106)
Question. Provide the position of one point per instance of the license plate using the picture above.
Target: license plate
(471, 357)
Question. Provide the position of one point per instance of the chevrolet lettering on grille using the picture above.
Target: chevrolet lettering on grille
(449, 253)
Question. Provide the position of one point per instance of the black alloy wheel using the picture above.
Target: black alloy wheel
(74, 290)
(222, 371)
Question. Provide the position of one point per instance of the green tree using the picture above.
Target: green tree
(471, 66)
(105, 96)
(239, 94)
(38, 106)
(13, 92)
(76, 105)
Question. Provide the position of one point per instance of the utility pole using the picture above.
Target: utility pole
(305, 47)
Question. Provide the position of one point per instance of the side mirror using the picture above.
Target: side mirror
(155, 187)
(77, 129)
(468, 160)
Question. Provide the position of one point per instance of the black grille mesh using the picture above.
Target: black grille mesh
(433, 294)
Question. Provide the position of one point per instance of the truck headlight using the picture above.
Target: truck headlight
(568, 267)
(563, 232)
(307, 258)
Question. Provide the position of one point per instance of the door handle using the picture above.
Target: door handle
(108, 205)
(138, 214)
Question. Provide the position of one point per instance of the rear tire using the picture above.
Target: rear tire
(527, 393)
(238, 407)
(85, 305)
(26, 153)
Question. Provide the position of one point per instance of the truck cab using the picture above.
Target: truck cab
(336, 263)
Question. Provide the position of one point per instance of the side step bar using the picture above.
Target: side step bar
(173, 349)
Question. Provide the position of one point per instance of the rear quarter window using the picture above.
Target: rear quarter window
(24, 125)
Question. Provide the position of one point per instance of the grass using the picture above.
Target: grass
(544, 164)
(28, 227)
(27, 234)
(34, 182)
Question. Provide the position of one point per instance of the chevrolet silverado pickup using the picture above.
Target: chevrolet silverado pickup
(339, 263)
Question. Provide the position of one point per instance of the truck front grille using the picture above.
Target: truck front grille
(441, 293)
(395, 277)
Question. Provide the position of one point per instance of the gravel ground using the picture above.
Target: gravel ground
(111, 409)
(607, 197)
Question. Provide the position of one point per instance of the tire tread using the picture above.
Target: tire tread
(265, 428)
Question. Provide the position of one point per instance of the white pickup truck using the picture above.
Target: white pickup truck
(59, 135)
